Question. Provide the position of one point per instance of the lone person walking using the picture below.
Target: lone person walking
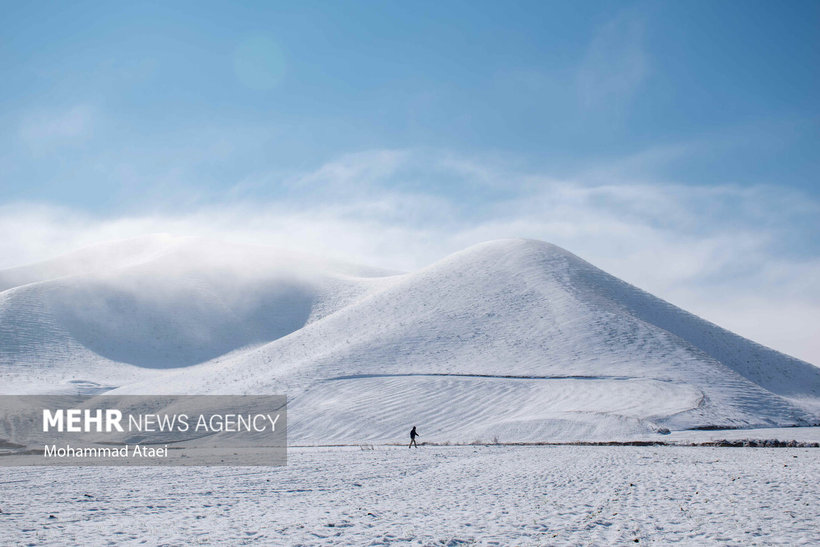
(413, 436)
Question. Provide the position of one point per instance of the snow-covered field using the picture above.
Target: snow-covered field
(514, 340)
(431, 496)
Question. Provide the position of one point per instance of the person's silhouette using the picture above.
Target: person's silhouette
(413, 436)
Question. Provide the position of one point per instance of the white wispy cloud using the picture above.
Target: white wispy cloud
(41, 128)
(717, 251)
(616, 62)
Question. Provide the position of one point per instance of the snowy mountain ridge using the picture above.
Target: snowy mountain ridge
(517, 340)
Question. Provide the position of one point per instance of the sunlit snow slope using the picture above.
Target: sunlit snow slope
(513, 339)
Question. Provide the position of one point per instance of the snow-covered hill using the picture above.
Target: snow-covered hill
(109, 314)
(512, 339)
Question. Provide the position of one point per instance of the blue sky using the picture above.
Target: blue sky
(676, 144)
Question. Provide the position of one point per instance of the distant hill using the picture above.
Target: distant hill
(517, 340)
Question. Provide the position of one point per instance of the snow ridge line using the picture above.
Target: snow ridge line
(499, 376)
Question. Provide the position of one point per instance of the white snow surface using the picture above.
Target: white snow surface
(515, 340)
(532, 495)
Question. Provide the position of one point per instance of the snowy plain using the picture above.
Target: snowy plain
(513, 340)
(488, 495)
